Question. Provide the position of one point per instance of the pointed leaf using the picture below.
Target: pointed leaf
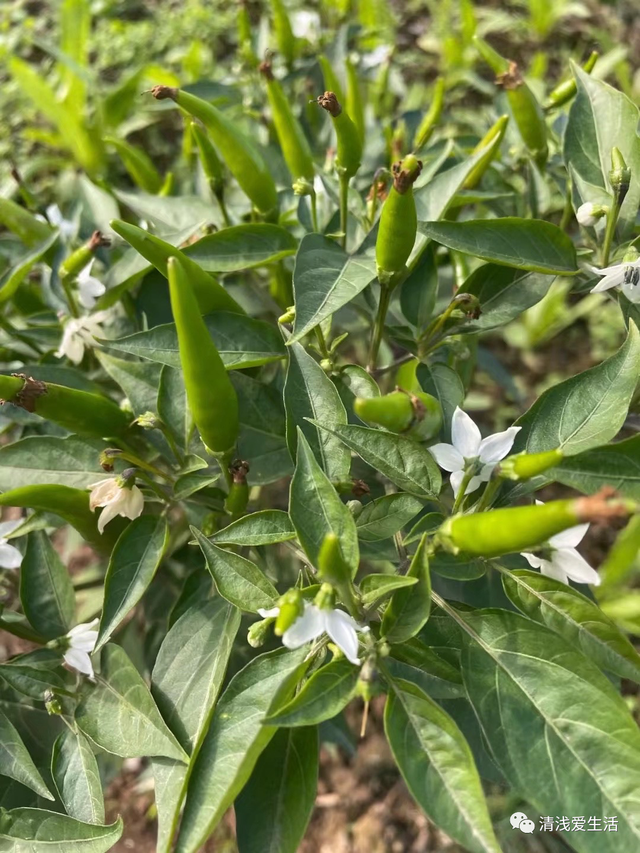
(46, 591)
(260, 528)
(40, 831)
(324, 695)
(77, 778)
(616, 465)
(375, 588)
(386, 516)
(242, 247)
(16, 763)
(45, 459)
(409, 607)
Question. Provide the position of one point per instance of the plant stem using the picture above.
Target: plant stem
(223, 208)
(567, 213)
(461, 491)
(378, 328)
(19, 630)
(322, 343)
(380, 371)
(344, 208)
(66, 286)
(612, 220)
(314, 211)
(489, 493)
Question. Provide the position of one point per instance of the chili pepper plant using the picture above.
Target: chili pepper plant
(245, 493)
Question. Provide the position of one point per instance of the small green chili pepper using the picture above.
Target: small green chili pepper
(619, 176)
(77, 261)
(238, 497)
(431, 117)
(245, 38)
(285, 38)
(349, 147)
(496, 132)
(398, 220)
(291, 606)
(524, 466)
(211, 396)
(293, 142)
(240, 154)
(80, 412)
(138, 164)
(417, 415)
(211, 164)
(506, 531)
(210, 294)
(354, 101)
(334, 571)
(566, 90)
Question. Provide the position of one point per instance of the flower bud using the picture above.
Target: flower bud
(79, 259)
(302, 187)
(620, 175)
(588, 213)
(258, 632)
(148, 421)
(631, 255)
(291, 606)
(524, 466)
(355, 508)
(52, 703)
(288, 317)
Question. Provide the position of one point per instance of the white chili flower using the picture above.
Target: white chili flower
(89, 287)
(81, 642)
(117, 498)
(469, 450)
(10, 557)
(626, 276)
(588, 214)
(80, 333)
(316, 621)
(66, 227)
(564, 561)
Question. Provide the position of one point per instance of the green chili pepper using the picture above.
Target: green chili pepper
(80, 412)
(77, 261)
(431, 117)
(23, 223)
(494, 133)
(210, 294)
(210, 394)
(208, 157)
(291, 606)
(505, 531)
(285, 38)
(619, 176)
(240, 155)
(331, 81)
(245, 38)
(566, 90)
(293, 142)
(354, 101)
(524, 466)
(417, 415)
(526, 110)
(398, 220)
(349, 147)
(238, 497)
(138, 164)
(334, 571)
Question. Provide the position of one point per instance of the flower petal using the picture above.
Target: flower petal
(82, 627)
(613, 279)
(573, 564)
(465, 435)
(306, 628)
(7, 527)
(268, 614)
(85, 642)
(340, 627)
(79, 660)
(569, 538)
(533, 560)
(447, 457)
(109, 512)
(496, 447)
(10, 557)
(133, 503)
(553, 570)
(474, 483)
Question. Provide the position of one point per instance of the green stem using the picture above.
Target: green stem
(489, 493)
(66, 286)
(314, 211)
(461, 491)
(322, 343)
(567, 213)
(434, 328)
(378, 328)
(19, 630)
(172, 443)
(223, 208)
(612, 220)
(155, 487)
(344, 208)
(145, 466)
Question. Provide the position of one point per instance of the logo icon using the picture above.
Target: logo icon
(520, 821)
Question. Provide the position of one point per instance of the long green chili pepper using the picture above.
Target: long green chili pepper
(398, 220)
(349, 147)
(211, 166)
(526, 110)
(285, 38)
(242, 158)
(431, 117)
(506, 531)
(497, 131)
(293, 142)
(81, 412)
(210, 294)
(524, 466)
(245, 39)
(354, 101)
(566, 90)
(211, 396)
(417, 415)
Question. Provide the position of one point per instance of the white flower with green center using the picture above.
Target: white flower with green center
(469, 452)
(81, 641)
(117, 497)
(80, 333)
(315, 621)
(626, 276)
(89, 287)
(10, 557)
(561, 560)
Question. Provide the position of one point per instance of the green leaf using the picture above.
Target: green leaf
(77, 778)
(260, 528)
(616, 465)
(119, 715)
(310, 394)
(622, 556)
(132, 566)
(457, 567)
(443, 383)
(324, 695)
(186, 680)
(422, 665)
(403, 461)
(274, 807)
(20, 269)
(32, 681)
(437, 764)
(237, 579)
(586, 410)
(172, 406)
(325, 279)
(386, 516)
(571, 614)
(40, 831)
(503, 294)
(167, 213)
(234, 742)
(600, 119)
(409, 607)
(46, 591)
(419, 290)
(242, 247)
(16, 763)
(536, 696)
(241, 341)
(25, 225)
(375, 588)
(42, 459)
(315, 509)
(528, 244)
